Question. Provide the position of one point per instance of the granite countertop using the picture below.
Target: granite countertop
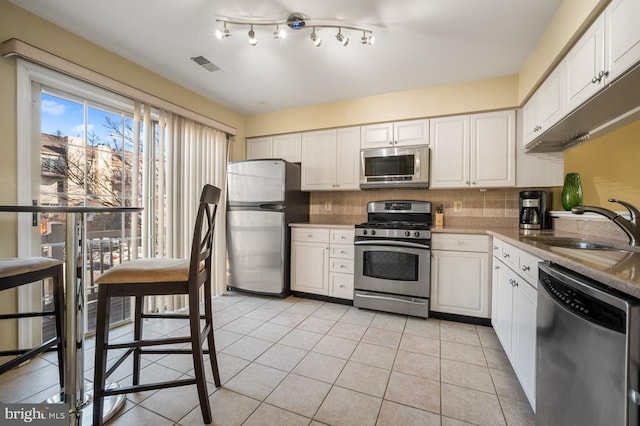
(319, 225)
(617, 269)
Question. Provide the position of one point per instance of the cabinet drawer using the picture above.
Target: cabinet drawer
(341, 265)
(496, 248)
(460, 242)
(316, 235)
(340, 236)
(341, 286)
(529, 267)
(510, 256)
(341, 251)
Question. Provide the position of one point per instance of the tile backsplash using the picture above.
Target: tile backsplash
(478, 207)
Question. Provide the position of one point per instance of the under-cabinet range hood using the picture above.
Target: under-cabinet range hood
(614, 106)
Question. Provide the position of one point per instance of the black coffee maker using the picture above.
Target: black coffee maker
(533, 210)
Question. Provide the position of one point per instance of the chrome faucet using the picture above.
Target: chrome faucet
(630, 226)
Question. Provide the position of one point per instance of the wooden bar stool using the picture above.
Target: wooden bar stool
(153, 277)
(16, 272)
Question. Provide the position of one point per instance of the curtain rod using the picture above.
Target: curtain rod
(16, 47)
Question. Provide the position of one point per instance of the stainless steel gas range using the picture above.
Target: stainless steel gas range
(393, 258)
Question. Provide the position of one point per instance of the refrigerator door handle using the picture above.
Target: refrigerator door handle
(272, 206)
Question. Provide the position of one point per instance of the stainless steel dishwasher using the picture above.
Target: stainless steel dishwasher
(587, 352)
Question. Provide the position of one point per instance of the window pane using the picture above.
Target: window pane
(86, 163)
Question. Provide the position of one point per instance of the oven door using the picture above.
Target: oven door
(393, 267)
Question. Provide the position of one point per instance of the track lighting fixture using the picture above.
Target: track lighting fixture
(295, 22)
(278, 33)
(252, 37)
(342, 39)
(223, 33)
(367, 39)
(315, 39)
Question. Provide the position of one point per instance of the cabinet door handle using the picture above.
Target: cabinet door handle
(496, 267)
(594, 80)
(473, 182)
(505, 255)
(495, 248)
(526, 268)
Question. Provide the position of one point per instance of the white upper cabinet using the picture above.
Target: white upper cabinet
(546, 107)
(450, 152)
(348, 158)
(330, 159)
(622, 35)
(287, 147)
(401, 133)
(584, 66)
(476, 151)
(493, 145)
(259, 148)
(609, 47)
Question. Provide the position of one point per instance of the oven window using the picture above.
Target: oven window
(388, 265)
(397, 165)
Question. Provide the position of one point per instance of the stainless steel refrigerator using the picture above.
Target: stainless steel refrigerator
(263, 198)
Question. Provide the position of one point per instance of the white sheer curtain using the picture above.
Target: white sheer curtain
(189, 155)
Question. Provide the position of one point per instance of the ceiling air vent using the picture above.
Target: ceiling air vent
(205, 63)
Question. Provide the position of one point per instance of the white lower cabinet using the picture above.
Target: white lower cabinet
(322, 261)
(460, 275)
(513, 313)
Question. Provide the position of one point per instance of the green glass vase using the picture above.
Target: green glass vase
(571, 191)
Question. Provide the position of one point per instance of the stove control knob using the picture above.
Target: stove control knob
(373, 232)
(407, 233)
(416, 234)
(364, 232)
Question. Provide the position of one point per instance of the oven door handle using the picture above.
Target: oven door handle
(369, 296)
(392, 243)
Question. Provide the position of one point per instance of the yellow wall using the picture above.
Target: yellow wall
(608, 167)
(497, 93)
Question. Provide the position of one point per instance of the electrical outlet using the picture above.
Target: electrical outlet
(327, 206)
(457, 206)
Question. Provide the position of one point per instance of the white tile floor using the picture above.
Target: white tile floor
(299, 361)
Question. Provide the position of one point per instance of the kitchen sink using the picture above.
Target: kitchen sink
(577, 243)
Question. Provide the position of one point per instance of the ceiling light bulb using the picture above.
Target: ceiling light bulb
(342, 39)
(220, 34)
(278, 33)
(367, 39)
(252, 37)
(315, 39)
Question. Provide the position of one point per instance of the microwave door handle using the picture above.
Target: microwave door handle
(392, 243)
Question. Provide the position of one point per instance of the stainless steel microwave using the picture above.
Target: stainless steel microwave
(406, 166)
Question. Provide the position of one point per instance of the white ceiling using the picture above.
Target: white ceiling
(419, 43)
